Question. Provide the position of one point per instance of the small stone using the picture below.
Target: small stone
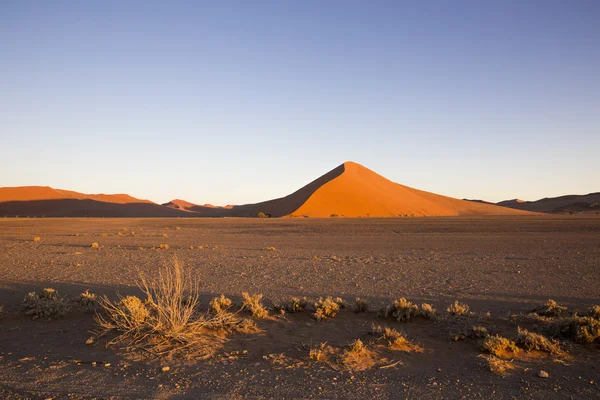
(543, 374)
(165, 369)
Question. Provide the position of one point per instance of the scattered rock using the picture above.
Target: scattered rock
(543, 374)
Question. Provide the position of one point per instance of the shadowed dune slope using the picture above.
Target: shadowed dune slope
(577, 203)
(26, 193)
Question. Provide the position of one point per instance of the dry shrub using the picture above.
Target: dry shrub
(46, 304)
(253, 304)
(550, 309)
(357, 357)
(119, 234)
(163, 246)
(497, 365)
(270, 249)
(95, 245)
(595, 312)
(396, 340)
(402, 310)
(293, 305)
(427, 311)
(361, 305)
(168, 321)
(584, 330)
(457, 308)
(104, 235)
(36, 239)
(322, 353)
(177, 228)
(478, 332)
(499, 346)
(535, 341)
(88, 300)
(220, 304)
(326, 308)
(164, 235)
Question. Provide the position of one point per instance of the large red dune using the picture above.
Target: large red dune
(351, 190)
(27, 193)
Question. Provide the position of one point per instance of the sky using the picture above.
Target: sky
(235, 102)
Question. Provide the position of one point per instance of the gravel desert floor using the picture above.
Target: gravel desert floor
(501, 267)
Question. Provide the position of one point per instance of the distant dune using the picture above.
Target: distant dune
(350, 190)
(562, 204)
(44, 201)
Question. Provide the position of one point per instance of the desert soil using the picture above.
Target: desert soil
(504, 265)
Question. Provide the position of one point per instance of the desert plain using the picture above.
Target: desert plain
(502, 267)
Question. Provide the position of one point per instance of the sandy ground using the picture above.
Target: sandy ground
(498, 264)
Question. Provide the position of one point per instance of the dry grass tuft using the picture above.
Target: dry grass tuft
(497, 365)
(220, 304)
(535, 341)
(104, 235)
(357, 357)
(457, 308)
(326, 308)
(253, 304)
(478, 332)
(95, 245)
(88, 300)
(584, 330)
(427, 311)
(361, 305)
(163, 246)
(271, 249)
(397, 341)
(499, 346)
(46, 304)
(164, 235)
(322, 352)
(177, 228)
(550, 309)
(168, 321)
(402, 310)
(293, 305)
(36, 239)
(595, 312)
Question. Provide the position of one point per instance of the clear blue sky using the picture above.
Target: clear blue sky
(235, 102)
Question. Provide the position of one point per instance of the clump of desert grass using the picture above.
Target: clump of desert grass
(164, 235)
(270, 249)
(46, 304)
(401, 310)
(253, 303)
(361, 305)
(499, 346)
(104, 235)
(177, 228)
(458, 309)
(36, 239)
(550, 309)
(427, 311)
(168, 321)
(595, 312)
(535, 341)
(580, 329)
(478, 332)
(163, 246)
(497, 365)
(88, 301)
(293, 305)
(322, 352)
(396, 340)
(95, 245)
(220, 304)
(357, 357)
(326, 308)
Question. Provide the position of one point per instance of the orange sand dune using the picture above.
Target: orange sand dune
(28, 193)
(351, 190)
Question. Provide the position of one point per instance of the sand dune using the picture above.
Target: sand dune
(26, 193)
(562, 204)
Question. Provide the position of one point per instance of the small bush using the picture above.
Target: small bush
(535, 341)
(457, 308)
(293, 305)
(262, 215)
(427, 311)
(361, 305)
(321, 352)
(95, 245)
(479, 332)
(46, 304)
(88, 300)
(333, 215)
(550, 309)
(163, 246)
(253, 304)
(402, 310)
(498, 346)
(584, 330)
(326, 308)
(104, 235)
(595, 312)
(497, 365)
(177, 228)
(397, 341)
(220, 304)
(36, 239)
(270, 249)
(357, 357)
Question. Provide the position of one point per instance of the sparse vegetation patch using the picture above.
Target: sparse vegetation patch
(326, 308)
(253, 303)
(46, 304)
